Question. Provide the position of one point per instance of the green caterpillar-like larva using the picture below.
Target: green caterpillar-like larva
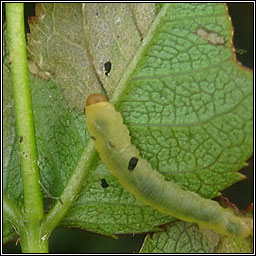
(112, 141)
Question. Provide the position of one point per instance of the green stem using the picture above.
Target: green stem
(33, 200)
(78, 179)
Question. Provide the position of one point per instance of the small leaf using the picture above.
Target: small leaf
(185, 237)
(9, 233)
(11, 170)
(180, 237)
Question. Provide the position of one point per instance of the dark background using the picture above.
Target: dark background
(79, 241)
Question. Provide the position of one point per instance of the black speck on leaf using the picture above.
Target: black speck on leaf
(107, 67)
(104, 183)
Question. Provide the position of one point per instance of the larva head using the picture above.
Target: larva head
(96, 111)
(95, 98)
(237, 226)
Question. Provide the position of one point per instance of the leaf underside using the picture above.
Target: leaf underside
(188, 105)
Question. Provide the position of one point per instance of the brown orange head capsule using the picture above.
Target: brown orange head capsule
(95, 98)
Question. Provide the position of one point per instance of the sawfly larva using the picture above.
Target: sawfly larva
(112, 141)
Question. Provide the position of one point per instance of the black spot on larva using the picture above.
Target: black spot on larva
(104, 183)
(132, 163)
(107, 67)
(93, 138)
(110, 144)
(21, 139)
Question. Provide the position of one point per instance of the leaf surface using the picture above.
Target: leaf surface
(187, 104)
(74, 41)
(185, 237)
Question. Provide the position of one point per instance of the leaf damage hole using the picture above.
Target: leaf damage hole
(211, 37)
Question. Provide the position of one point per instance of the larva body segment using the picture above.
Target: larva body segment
(112, 141)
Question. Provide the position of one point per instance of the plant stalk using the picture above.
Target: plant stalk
(33, 199)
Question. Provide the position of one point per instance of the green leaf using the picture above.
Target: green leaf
(188, 104)
(9, 233)
(186, 117)
(9, 132)
(180, 237)
(186, 101)
(185, 237)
